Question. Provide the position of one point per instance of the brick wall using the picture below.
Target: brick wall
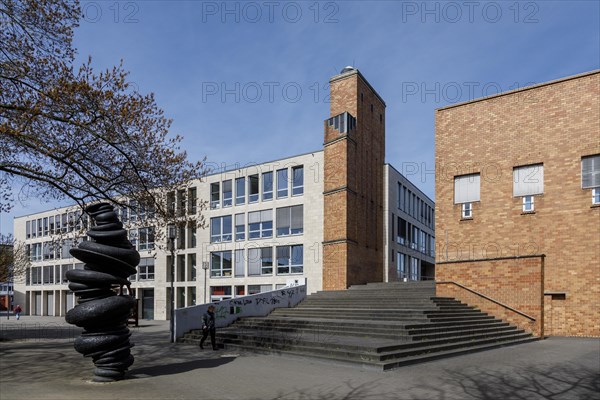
(353, 200)
(555, 124)
(514, 282)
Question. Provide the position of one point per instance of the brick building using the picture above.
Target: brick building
(518, 204)
(322, 217)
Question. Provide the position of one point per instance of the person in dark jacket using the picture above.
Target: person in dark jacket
(208, 327)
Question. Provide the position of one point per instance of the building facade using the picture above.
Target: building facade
(322, 218)
(518, 203)
(409, 229)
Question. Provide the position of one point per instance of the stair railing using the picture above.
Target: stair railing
(487, 298)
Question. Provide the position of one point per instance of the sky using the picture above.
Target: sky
(247, 81)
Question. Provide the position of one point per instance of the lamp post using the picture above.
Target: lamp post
(172, 234)
(205, 265)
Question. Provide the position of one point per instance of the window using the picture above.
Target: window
(35, 253)
(253, 188)
(193, 201)
(46, 227)
(590, 176)
(146, 269)
(298, 180)
(181, 204)
(260, 224)
(36, 275)
(220, 229)
(401, 238)
(240, 191)
(48, 251)
(466, 191)
(57, 275)
(400, 198)
(48, 274)
(192, 235)
(255, 289)
(290, 260)
(239, 262)
(227, 193)
(220, 264)
(267, 186)
(64, 223)
(28, 229)
(240, 227)
(215, 195)
(467, 210)
(282, 183)
(64, 272)
(290, 220)
(146, 238)
(528, 180)
(401, 266)
(260, 261)
(414, 244)
(133, 209)
(528, 203)
(466, 188)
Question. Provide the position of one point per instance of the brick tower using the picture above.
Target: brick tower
(354, 152)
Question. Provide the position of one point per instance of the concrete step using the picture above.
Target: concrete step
(380, 325)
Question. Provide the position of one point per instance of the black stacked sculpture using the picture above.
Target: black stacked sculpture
(109, 260)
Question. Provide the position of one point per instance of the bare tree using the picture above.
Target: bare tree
(14, 259)
(73, 133)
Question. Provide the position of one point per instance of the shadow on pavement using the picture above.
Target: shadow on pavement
(178, 368)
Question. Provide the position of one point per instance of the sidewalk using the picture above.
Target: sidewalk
(34, 366)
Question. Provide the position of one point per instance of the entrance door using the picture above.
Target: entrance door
(147, 303)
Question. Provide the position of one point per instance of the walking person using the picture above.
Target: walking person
(208, 327)
(18, 311)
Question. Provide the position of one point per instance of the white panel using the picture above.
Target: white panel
(266, 215)
(466, 188)
(254, 217)
(528, 180)
(590, 172)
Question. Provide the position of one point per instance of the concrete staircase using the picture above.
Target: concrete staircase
(380, 325)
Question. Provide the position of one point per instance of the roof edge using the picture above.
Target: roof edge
(509, 92)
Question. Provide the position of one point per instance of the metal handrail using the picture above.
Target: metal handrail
(487, 298)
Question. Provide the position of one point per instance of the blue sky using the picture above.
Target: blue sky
(247, 81)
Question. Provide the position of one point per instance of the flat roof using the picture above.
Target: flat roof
(411, 182)
(509, 92)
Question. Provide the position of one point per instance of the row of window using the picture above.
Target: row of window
(407, 267)
(284, 260)
(414, 206)
(218, 293)
(249, 189)
(55, 224)
(413, 237)
(141, 238)
(57, 274)
(289, 221)
(528, 181)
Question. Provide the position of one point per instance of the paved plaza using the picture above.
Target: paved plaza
(37, 361)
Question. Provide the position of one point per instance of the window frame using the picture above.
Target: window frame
(466, 210)
(282, 192)
(528, 206)
(297, 189)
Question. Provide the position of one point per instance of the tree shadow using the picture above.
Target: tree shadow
(566, 381)
(178, 368)
(347, 391)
